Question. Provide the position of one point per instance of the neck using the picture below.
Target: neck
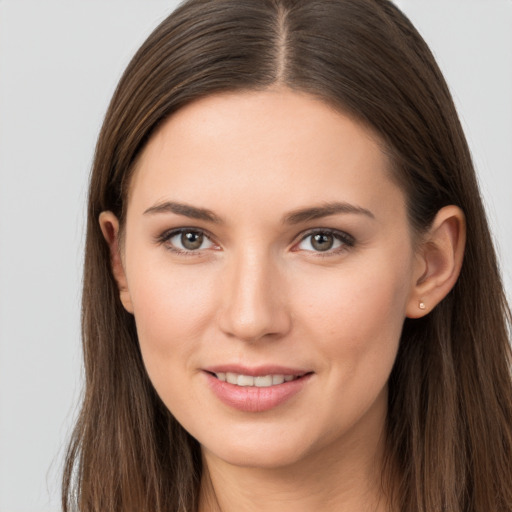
(342, 479)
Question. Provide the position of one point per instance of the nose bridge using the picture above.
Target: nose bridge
(253, 305)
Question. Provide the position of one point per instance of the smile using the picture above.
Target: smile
(263, 381)
(266, 389)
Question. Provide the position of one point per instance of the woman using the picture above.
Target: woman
(291, 300)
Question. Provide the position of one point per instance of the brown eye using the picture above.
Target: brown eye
(187, 241)
(328, 241)
(322, 241)
(191, 240)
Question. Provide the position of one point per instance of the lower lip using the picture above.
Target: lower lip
(255, 399)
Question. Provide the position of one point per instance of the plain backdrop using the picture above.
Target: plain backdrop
(59, 63)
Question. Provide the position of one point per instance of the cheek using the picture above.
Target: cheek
(172, 310)
(172, 307)
(357, 314)
(355, 321)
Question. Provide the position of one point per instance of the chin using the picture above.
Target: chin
(251, 452)
(258, 458)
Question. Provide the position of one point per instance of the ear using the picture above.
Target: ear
(109, 225)
(439, 260)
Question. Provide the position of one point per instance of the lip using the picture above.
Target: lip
(252, 398)
(256, 371)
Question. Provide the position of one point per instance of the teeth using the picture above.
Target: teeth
(245, 380)
(279, 379)
(231, 378)
(264, 381)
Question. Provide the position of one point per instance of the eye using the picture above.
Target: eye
(186, 240)
(325, 241)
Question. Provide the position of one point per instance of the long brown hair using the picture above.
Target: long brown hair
(449, 430)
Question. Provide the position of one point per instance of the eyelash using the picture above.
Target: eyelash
(347, 241)
(165, 238)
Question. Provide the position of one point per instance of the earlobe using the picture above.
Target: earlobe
(109, 225)
(440, 257)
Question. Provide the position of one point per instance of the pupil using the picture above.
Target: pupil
(191, 240)
(322, 242)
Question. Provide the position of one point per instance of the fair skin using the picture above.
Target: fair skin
(295, 256)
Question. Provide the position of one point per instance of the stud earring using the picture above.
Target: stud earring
(421, 305)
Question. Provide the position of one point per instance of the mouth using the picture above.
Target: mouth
(261, 381)
(256, 389)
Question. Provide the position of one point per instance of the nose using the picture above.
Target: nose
(254, 304)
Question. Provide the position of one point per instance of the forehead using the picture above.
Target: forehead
(273, 145)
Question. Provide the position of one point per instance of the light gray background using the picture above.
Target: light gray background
(59, 63)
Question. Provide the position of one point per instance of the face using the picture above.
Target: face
(269, 264)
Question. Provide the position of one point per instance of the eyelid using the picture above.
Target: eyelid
(167, 235)
(345, 238)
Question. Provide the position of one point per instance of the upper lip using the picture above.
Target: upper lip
(256, 371)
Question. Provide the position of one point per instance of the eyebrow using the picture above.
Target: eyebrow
(295, 217)
(317, 212)
(185, 210)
